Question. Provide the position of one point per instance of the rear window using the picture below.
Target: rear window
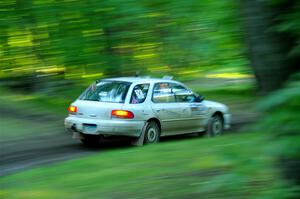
(106, 91)
(139, 93)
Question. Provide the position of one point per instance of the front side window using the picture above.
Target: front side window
(162, 93)
(139, 93)
(182, 94)
(107, 91)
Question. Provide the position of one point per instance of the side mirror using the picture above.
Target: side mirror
(199, 98)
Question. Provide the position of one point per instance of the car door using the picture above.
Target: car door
(169, 112)
(195, 113)
(199, 116)
(186, 99)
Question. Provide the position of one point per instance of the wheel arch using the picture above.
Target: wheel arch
(153, 119)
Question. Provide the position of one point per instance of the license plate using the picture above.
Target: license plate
(90, 128)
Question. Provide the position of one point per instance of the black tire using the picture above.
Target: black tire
(215, 126)
(90, 140)
(152, 133)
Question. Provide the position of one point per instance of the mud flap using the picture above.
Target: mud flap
(140, 140)
(208, 132)
(76, 135)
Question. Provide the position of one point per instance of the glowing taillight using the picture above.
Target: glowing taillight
(122, 114)
(72, 109)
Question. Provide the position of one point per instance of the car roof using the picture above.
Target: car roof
(140, 79)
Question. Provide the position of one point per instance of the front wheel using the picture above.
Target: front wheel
(152, 133)
(215, 126)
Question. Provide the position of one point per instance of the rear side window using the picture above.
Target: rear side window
(106, 91)
(162, 93)
(139, 93)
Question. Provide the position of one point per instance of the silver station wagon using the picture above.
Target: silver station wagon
(143, 108)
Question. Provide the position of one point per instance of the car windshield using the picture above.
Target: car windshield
(106, 91)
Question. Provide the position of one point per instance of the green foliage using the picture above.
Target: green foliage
(224, 167)
(287, 98)
(281, 123)
(92, 39)
(289, 22)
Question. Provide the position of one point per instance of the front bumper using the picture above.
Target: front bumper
(121, 127)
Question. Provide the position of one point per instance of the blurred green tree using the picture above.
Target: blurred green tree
(88, 40)
(272, 34)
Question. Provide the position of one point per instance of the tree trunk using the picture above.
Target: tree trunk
(267, 49)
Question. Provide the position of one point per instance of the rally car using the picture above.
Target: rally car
(144, 109)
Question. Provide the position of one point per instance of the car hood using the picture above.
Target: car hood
(215, 105)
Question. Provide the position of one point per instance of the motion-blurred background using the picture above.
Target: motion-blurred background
(243, 53)
(49, 45)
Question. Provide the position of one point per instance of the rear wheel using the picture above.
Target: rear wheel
(152, 133)
(90, 140)
(215, 126)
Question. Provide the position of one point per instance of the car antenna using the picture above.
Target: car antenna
(137, 73)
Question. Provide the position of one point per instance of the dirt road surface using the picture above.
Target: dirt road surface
(21, 153)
